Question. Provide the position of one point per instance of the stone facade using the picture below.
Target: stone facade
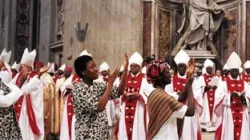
(232, 35)
(115, 27)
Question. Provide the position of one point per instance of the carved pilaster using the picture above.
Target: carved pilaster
(22, 27)
(60, 20)
(147, 15)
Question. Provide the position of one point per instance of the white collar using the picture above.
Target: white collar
(246, 73)
(135, 75)
(238, 78)
(183, 77)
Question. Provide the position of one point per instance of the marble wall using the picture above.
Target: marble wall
(230, 34)
(248, 31)
(147, 15)
(164, 34)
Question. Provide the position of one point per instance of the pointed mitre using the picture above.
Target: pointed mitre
(234, 61)
(225, 67)
(136, 58)
(247, 64)
(121, 68)
(15, 66)
(5, 56)
(104, 67)
(85, 52)
(51, 67)
(62, 68)
(28, 58)
(208, 63)
(241, 70)
(181, 57)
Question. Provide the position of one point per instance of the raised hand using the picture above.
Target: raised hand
(113, 76)
(191, 69)
(125, 62)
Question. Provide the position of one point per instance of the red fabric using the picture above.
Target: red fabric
(178, 83)
(4, 69)
(199, 135)
(106, 79)
(223, 78)
(32, 117)
(70, 113)
(236, 105)
(210, 94)
(55, 78)
(133, 86)
(39, 64)
(218, 132)
(70, 107)
(69, 69)
(246, 77)
(75, 78)
(236, 108)
(30, 111)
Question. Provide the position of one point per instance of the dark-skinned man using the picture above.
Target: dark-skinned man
(208, 116)
(5, 70)
(133, 118)
(246, 74)
(190, 126)
(232, 104)
(224, 73)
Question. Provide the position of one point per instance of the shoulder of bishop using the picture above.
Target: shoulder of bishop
(76, 78)
(33, 73)
(143, 75)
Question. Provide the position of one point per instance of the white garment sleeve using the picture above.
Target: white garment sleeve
(12, 97)
(169, 89)
(247, 91)
(67, 82)
(221, 92)
(181, 112)
(5, 76)
(116, 82)
(32, 85)
(146, 87)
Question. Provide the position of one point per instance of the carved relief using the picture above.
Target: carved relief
(22, 27)
(164, 33)
(60, 20)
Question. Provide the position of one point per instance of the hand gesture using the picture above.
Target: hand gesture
(190, 69)
(234, 95)
(113, 76)
(125, 63)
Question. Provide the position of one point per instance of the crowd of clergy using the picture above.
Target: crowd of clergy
(36, 101)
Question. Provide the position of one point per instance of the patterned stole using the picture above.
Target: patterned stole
(210, 94)
(70, 107)
(236, 105)
(30, 111)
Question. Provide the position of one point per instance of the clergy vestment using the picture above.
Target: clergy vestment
(29, 107)
(68, 116)
(233, 118)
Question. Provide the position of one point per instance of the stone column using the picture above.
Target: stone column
(147, 27)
